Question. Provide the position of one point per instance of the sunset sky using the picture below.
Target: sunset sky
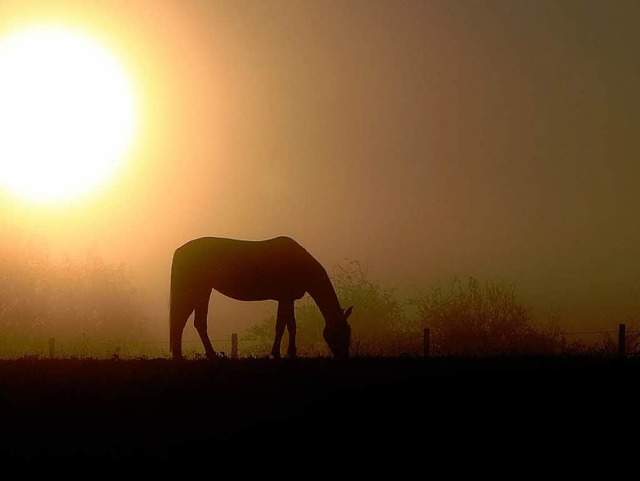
(425, 139)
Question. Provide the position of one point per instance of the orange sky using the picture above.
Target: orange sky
(425, 139)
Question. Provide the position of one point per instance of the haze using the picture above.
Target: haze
(427, 140)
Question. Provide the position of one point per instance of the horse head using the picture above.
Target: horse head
(337, 334)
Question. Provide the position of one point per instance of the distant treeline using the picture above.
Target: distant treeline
(69, 300)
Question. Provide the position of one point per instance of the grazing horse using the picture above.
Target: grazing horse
(277, 269)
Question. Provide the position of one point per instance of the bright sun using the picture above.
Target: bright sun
(67, 113)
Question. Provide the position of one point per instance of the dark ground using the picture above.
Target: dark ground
(150, 410)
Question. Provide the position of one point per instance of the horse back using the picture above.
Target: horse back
(275, 268)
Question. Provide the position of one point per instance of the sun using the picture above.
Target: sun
(67, 113)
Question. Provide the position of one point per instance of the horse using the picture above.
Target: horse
(277, 269)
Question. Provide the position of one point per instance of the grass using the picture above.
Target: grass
(106, 409)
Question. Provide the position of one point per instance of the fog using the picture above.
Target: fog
(427, 140)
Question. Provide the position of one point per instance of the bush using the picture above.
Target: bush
(473, 319)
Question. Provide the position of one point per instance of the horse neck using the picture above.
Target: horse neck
(325, 297)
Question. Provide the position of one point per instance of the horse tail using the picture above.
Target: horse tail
(173, 299)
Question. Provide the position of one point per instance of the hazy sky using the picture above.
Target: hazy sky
(426, 139)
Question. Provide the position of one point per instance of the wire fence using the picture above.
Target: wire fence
(434, 342)
(431, 342)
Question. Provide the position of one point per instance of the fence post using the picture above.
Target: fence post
(234, 346)
(52, 352)
(426, 342)
(621, 341)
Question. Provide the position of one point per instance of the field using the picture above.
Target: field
(162, 409)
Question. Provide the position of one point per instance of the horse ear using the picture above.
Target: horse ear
(347, 312)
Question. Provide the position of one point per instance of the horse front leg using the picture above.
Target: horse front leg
(286, 312)
(200, 323)
(280, 325)
(291, 328)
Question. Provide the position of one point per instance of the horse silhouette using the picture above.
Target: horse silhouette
(277, 269)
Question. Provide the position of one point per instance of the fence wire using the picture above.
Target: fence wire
(408, 344)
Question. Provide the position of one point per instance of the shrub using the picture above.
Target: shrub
(470, 318)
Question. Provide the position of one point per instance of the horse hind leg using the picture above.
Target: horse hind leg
(200, 323)
(285, 319)
(179, 317)
(280, 327)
